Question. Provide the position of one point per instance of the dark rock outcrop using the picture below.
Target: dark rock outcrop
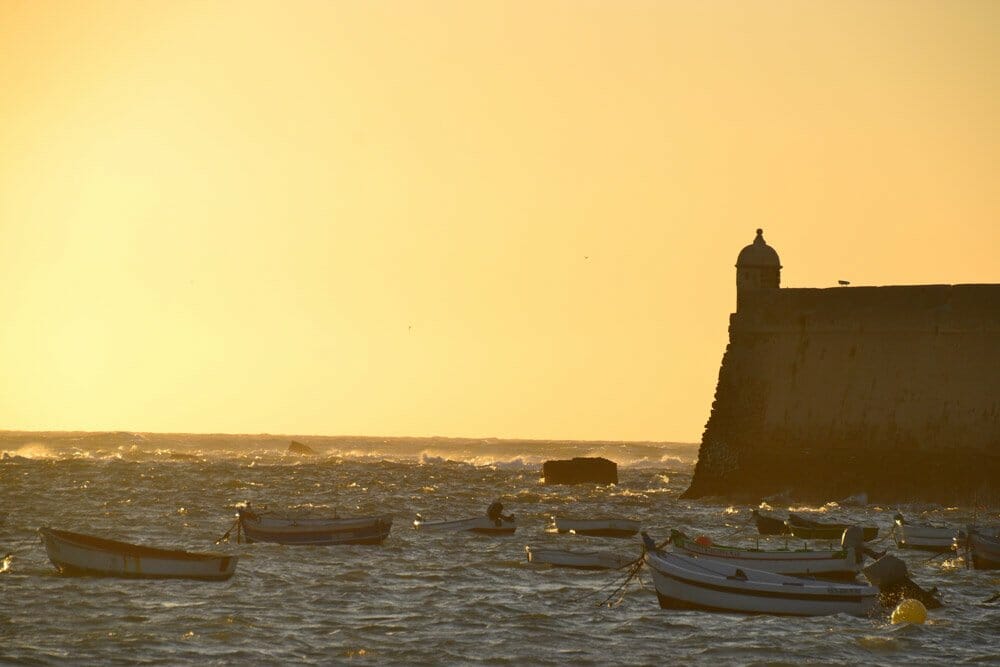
(580, 471)
(299, 448)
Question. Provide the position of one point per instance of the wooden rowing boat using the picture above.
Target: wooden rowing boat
(76, 553)
(981, 547)
(582, 560)
(810, 529)
(683, 582)
(317, 531)
(923, 536)
(769, 525)
(598, 527)
(479, 524)
(832, 564)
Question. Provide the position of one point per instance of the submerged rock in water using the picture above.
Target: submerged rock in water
(298, 448)
(580, 470)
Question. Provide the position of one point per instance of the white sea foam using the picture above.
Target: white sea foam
(32, 450)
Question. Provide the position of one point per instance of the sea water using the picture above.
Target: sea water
(419, 598)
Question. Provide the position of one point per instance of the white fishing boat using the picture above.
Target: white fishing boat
(75, 553)
(598, 527)
(923, 536)
(583, 560)
(981, 547)
(318, 531)
(831, 564)
(477, 524)
(683, 582)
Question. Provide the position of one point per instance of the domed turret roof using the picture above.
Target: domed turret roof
(758, 253)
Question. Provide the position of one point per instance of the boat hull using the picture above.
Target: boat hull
(839, 564)
(78, 554)
(924, 538)
(480, 524)
(816, 530)
(580, 560)
(598, 527)
(315, 532)
(688, 583)
(985, 551)
(769, 525)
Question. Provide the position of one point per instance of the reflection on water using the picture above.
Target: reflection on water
(418, 598)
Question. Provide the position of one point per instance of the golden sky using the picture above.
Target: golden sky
(512, 219)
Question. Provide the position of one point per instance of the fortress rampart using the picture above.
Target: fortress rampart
(824, 393)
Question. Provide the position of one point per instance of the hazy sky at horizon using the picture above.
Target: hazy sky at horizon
(511, 219)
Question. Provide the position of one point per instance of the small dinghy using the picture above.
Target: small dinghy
(683, 582)
(925, 537)
(74, 553)
(478, 524)
(769, 525)
(598, 527)
(810, 529)
(581, 560)
(318, 531)
(982, 548)
(844, 563)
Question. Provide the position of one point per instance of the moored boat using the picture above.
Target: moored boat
(982, 548)
(683, 582)
(598, 527)
(478, 524)
(832, 564)
(318, 531)
(583, 560)
(922, 536)
(769, 525)
(76, 553)
(810, 529)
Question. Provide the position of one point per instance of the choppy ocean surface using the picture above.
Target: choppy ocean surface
(419, 598)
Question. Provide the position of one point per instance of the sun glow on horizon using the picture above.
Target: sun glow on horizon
(498, 219)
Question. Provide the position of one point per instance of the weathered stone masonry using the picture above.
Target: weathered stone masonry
(823, 393)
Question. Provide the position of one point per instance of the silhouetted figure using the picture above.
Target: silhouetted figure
(496, 515)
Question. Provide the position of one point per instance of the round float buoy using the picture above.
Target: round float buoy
(909, 611)
(703, 540)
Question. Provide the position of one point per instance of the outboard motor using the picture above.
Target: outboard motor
(889, 574)
(886, 571)
(853, 538)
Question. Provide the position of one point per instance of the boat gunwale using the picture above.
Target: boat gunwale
(759, 554)
(772, 590)
(507, 525)
(106, 545)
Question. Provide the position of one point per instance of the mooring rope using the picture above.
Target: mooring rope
(225, 536)
(939, 555)
(632, 569)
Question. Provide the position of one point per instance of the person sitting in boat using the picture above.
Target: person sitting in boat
(496, 515)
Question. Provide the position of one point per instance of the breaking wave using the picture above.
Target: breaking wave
(273, 450)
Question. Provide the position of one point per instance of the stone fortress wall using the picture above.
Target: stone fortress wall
(825, 393)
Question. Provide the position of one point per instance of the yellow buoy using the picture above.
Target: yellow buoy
(909, 611)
